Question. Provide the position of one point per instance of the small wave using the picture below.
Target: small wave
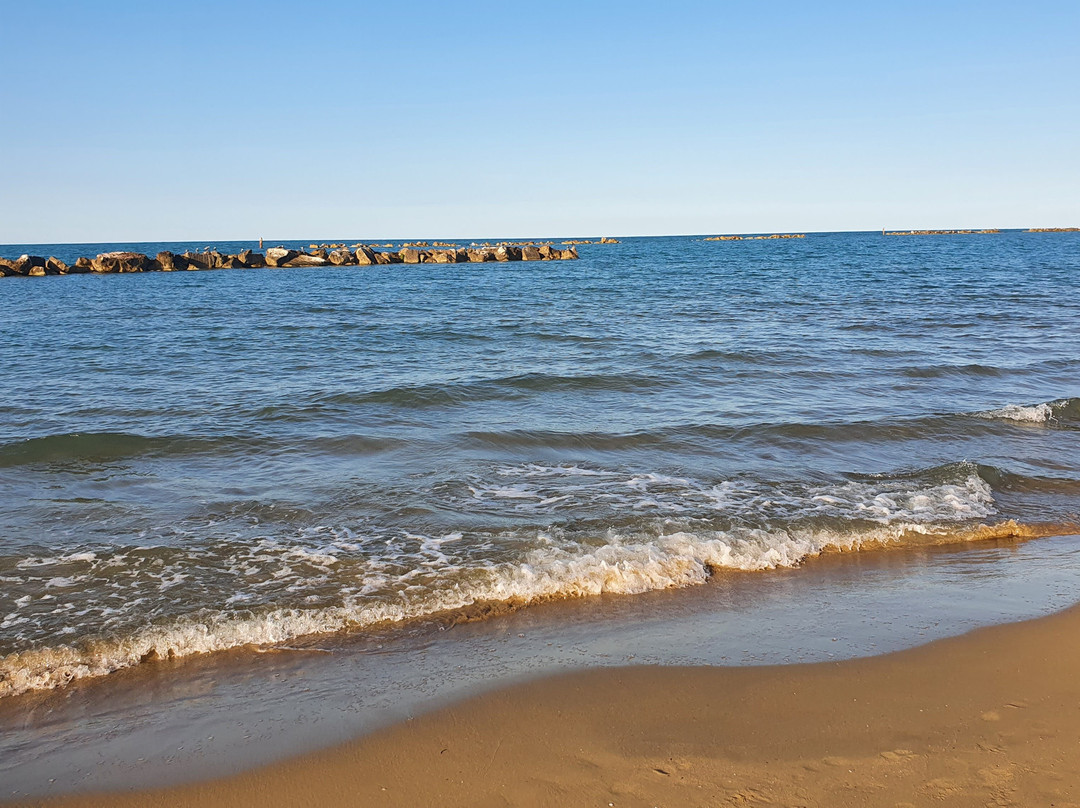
(941, 371)
(543, 438)
(1047, 412)
(79, 447)
(629, 532)
(98, 447)
(620, 565)
(491, 389)
(110, 447)
(687, 437)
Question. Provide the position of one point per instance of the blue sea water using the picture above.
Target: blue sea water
(194, 461)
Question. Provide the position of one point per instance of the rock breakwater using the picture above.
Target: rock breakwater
(279, 257)
(940, 232)
(768, 237)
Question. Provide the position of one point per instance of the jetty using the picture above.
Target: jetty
(755, 238)
(282, 257)
(938, 232)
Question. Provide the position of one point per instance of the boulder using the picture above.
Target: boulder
(82, 266)
(24, 263)
(121, 262)
(54, 266)
(7, 268)
(204, 260)
(546, 251)
(321, 252)
(193, 260)
(365, 256)
(387, 258)
(37, 271)
(305, 260)
(442, 257)
(480, 256)
(252, 259)
(279, 256)
(167, 261)
(340, 258)
(409, 255)
(573, 253)
(232, 262)
(530, 253)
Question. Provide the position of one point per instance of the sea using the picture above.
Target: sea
(739, 450)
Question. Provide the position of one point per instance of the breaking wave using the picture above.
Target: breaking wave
(1061, 410)
(333, 580)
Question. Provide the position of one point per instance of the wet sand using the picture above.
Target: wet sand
(989, 718)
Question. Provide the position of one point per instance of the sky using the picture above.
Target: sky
(147, 121)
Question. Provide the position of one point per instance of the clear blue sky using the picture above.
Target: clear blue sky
(221, 120)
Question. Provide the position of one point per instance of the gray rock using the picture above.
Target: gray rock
(305, 260)
(121, 262)
(279, 256)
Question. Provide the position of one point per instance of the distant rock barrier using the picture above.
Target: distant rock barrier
(112, 262)
(939, 232)
(1053, 230)
(755, 238)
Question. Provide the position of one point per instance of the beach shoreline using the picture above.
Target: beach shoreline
(986, 718)
(989, 717)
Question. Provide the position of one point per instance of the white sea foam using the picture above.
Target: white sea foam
(555, 491)
(327, 580)
(1034, 414)
(620, 565)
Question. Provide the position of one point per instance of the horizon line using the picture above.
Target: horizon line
(901, 230)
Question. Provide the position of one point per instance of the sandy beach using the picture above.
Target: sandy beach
(989, 718)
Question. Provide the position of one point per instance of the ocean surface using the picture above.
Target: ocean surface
(193, 462)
